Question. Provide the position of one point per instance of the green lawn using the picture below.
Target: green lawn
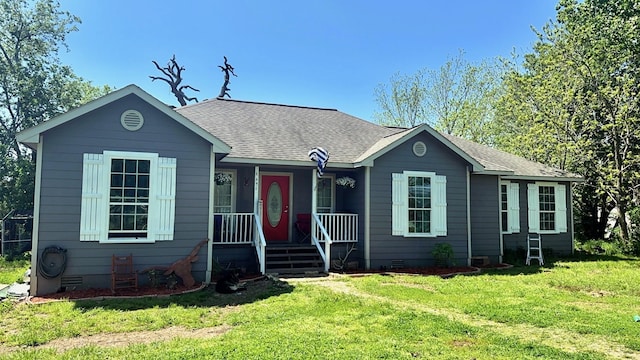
(569, 309)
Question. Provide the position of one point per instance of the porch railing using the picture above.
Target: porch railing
(320, 232)
(260, 243)
(340, 228)
(233, 228)
(333, 228)
(241, 228)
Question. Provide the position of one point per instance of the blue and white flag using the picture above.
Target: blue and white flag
(321, 156)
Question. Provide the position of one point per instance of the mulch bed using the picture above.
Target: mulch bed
(439, 271)
(98, 294)
(149, 291)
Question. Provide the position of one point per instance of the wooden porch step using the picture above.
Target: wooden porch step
(293, 259)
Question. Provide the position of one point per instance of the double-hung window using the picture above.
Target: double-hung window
(325, 194)
(224, 191)
(419, 207)
(510, 207)
(127, 197)
(547, 208)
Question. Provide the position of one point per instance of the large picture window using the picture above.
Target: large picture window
(419, 206)
(547, 208)
(127, 197)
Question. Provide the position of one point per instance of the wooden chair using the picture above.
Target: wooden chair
(123, 275)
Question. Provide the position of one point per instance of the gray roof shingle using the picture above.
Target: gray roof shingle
(284, 133)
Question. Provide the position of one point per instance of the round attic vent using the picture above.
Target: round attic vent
(419, 148)
(131, 120)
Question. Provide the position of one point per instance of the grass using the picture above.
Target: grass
(568, 309)
(13, 271)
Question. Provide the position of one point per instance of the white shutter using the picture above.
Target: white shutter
(93, 208)
(399, 195)
(561, 208)
(439, 209)
(513, 206)
(162, 204)
(534, 208)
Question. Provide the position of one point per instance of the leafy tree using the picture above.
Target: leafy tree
(458, 98)
(34, 86)
(575, 105)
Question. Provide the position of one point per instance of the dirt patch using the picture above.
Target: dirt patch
(138, 337)
(125, 339)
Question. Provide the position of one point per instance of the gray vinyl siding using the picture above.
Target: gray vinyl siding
(559, 244)
(417, 251)
(61, 188)
(485, 217)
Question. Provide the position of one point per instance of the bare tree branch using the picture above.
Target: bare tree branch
(173, 73)
(227, 68)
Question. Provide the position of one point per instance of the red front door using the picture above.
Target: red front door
(274, 194)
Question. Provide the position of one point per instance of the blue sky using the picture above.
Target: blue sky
(314, 53)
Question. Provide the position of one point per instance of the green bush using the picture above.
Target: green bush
(602, 247)
(443, 254)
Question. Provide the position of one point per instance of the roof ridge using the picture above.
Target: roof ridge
(259, 103)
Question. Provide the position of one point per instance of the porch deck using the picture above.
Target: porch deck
(310, 255)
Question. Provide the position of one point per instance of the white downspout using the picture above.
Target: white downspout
(367, 217)
(35, 231)
(212, 175)
(468, 217)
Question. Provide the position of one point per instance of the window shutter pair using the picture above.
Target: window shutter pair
(560, 196)
(399, 205)
(94, 218)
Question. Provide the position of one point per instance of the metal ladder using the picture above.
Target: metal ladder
(534, 249)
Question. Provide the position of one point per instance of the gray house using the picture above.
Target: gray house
(127, 174)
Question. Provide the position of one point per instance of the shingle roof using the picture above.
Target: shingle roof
(282, 132)
(500, 161)
(273, 133)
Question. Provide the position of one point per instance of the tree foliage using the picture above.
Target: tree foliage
(34, 86)
(458, 98)
(575, 103)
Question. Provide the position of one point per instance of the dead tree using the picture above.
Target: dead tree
(226, 69)
(173, 73)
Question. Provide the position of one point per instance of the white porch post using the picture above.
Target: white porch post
(256, 191)
(210, 230)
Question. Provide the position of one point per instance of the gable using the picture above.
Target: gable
(428, 135)
(31, 136)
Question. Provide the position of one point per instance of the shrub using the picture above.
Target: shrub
(443, 254)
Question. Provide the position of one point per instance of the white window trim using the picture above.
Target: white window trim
(560, 196)
(332, 180)
(513, 207)
(234, 186)
(94, 214)
(400, 196)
